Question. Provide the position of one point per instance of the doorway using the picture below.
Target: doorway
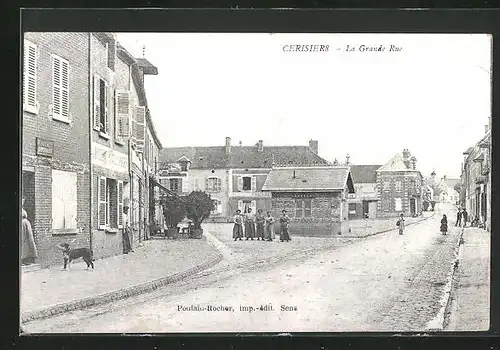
(28, 193)
(413, 207)
(365, 209)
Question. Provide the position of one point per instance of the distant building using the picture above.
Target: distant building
(448, 193)
(232, 175)
(399, 185)
(315, 197)
(476, 181)
(365, 203)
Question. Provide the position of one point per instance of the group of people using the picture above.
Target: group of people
(260, 226)
(444, 223)
(462, 217)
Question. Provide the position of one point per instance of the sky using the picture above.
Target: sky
(433, 96)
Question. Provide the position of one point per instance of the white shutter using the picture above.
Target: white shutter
(240, 183)
(120, 203)
(240, 205)
(56, 86)
(70, 199)
(123, 112)
(207, 184)
(254, 184)
(29, 76)
(253, 205)
(97, 102)
(57, 200)
(219, 184)
(184, 184)
(106, 103)
(139, 118)
(102, 203)
(64, 89)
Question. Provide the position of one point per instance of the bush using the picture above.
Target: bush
(199, 205)
(174, 210)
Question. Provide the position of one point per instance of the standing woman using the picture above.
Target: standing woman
(284, 225)
(269, 234)
(444, 225)
(238, 226)
(28, 247)
(401, 224)
(249, 224)
(260, 220)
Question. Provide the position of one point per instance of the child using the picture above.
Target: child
(401, 224)
(444, 225)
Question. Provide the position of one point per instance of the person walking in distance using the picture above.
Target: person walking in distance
(459, 218)
(401, 224)
(127, 247)
(249, 224)
(260, 221)
(269, 234)
(464, 217)
(284, 226)
(444, 225)
(238, 226)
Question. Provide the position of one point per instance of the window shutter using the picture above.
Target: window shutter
(207, 184)
(69, 194)
(120, 203)
(57, 200)
(184, 184)
(253, 205)
(240, 205)
(97, 103)
(254, 184)
(106, 103)
(65, 89)
(29, 75)
(240, 183)
(123, 112)
(102, 203)
(56, 86)
(139, 117)
(219, 185)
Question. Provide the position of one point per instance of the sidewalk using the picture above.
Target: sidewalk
(158, 262)
(470, 301)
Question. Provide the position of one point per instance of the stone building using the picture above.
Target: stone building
(399, 186)
(476, 181)
(55, 140)
(364, 204)
(315, 198)
(232, 175)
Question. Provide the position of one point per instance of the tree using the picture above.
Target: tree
(174, 210)
(199, 205)
(458, 187)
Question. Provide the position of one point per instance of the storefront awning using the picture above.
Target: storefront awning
(163, 188)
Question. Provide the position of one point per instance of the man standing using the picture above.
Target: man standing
(464, 216)
(401, 224)
(459, 218)
(127, 247)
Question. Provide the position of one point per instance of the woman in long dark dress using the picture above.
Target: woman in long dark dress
(238, 226)
(444, 225)
(260, 221)
(284, 226)
(249, 224)
(28, 248)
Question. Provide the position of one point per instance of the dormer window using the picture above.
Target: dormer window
(184, 166)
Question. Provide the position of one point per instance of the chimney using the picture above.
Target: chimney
(347, 159)
(313, 145)
(228, 145)
(444, 177)
(413, 161)
(260, 146)
(406, 157)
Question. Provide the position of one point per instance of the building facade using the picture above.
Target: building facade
(315, 198)
(232, 175)
(476, 181)
(365, 202)
(55, 148)
(399, 186)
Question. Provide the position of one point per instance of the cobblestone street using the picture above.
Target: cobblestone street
(384, 282)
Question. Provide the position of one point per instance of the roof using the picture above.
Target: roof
(452, 182)
(242, 156)
(364, 173)
(146, 66)
(317, 179)
(397, 163)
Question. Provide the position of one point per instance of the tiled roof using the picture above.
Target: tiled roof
(242, 156)
(364, 173)
(395, 164)
(326, 179)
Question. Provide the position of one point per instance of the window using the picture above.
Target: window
(29, 77)
(184, 166)
(245, 205)
(110, 199)
(247, 183)
(213, 184)
(303, 208)
(139, 135)
(217, 207)
(122, 114)
(386, 204)
(398, 185)
(60, 88)
(176, 185)
(398, 204)
(100, 105)
(64, 200)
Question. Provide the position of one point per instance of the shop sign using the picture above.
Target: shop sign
(44, 147)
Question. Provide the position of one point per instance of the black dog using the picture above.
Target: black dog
(72, 254)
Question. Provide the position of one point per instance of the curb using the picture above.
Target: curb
(118, 294)
(438, 323)
(388, 230)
